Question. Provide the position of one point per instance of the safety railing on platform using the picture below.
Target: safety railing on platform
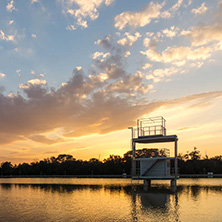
(149, 127)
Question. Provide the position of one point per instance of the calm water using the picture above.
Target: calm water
(109, 200)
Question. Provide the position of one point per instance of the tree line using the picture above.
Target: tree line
(64, 164)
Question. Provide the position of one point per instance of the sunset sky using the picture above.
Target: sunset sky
(75, 74)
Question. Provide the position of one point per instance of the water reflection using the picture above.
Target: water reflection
(104, 202)
(155, 196)
(154, 203)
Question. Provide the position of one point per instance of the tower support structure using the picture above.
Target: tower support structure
(157, 164)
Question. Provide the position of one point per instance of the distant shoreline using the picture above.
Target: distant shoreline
(105, 176)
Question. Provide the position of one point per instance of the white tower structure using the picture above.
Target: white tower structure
(161, 166)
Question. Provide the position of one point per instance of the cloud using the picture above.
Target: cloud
(96, 55)
(5, 37)
(127, 54)
(101, 111)
(33, 82)
(83, 10)
(2, 75)
(44, 139)
(101, 102)
(140, 18)
(146, 66)
(34, 1)
(129, 40)
(106, 99)
(130, 84)
(152, 40)
(201, 10)
(34, 36)
(37, 82)
(71, 28)
(10, 6)
(170, 33)
(178, 53)
(205, 34)
(158, 75)
(176, 6)
(105, 42)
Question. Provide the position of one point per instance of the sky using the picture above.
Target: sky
(75, 74)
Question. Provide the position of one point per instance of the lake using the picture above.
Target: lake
(65, 199)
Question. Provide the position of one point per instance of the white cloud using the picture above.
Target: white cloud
(179, 53)
(101, 77)
(127, 54)
(71, 28)
(146, 42)
(10, 6)
(109, 2)
(149, 34)
(176, 6)
(5, 37)
(140, 18)
(2, 75)
(82, 23)
(201, 10)
(165, 14)
(146, 66)
(158, 75)
(34, 36)
(33, 82)
(34, 1)
(82, 10)
(170, 33)
(37, 81)
(129, 40)
(205, 34)
(97, 55)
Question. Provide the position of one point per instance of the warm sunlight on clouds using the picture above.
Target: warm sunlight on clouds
(82, 10)
(202, 9)
(75, 74)
(10, 6)
(5, 37)
(140, 18)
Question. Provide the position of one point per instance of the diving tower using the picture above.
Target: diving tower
(162, 165)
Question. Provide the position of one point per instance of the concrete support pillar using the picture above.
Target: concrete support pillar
(173, 185)
(146, 184)
(176, 161)
(133, 159)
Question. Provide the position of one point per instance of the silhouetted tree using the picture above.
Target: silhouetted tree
(65, 164)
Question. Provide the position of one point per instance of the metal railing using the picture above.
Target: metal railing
(149, 127)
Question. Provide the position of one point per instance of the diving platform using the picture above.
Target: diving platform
(155, 139)
(155, 163)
